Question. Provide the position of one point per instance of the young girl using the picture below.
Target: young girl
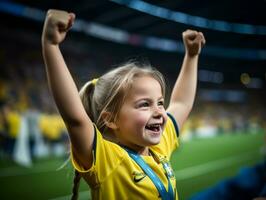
(121, 135)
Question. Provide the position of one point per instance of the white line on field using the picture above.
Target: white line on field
(18, 171)
(11, 173)
(212, 166)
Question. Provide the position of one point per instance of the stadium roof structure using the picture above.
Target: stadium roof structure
(235, 30)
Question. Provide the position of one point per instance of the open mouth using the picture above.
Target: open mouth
(153, 127)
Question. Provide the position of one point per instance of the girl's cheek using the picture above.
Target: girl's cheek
(142, 119)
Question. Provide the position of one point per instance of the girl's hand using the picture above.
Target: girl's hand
(193, 42)
(56, 25)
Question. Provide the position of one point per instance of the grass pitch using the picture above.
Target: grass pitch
(198, 164)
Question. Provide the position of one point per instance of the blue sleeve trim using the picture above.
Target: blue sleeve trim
(175, 124)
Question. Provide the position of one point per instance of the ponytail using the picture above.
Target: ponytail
(76, 182)
(86, 96)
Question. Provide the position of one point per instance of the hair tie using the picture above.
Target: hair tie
(94, 81)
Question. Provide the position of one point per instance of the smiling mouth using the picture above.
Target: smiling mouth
(154, 127)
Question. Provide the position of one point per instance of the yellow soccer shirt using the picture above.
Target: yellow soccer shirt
(115, 175)
(14, 123)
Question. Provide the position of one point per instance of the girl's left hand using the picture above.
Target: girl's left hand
(193, 41)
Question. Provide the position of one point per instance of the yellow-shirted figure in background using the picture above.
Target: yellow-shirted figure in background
(10, 126)
(122, 137)
(51, 126)
(14, 122)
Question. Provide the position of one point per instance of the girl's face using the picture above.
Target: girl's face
(142, 117)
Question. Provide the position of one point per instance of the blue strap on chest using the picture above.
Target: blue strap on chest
(154, 178)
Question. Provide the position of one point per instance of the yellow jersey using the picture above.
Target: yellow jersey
(115, 175)
(14, 123)
(52, 126)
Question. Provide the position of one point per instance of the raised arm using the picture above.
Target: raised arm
(183, 93)
(63, 88)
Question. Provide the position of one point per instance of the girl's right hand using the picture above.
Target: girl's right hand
(193, 41)
(56, 25)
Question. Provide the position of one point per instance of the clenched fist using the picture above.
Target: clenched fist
(193, 42)
(56, 25)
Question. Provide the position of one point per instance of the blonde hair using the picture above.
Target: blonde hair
(108, 93)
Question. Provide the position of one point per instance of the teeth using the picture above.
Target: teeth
(154, 127)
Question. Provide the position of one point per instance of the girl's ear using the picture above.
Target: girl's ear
(107, 121)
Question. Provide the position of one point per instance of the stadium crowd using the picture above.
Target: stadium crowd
(28, 113)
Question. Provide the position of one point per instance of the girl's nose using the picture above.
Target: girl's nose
(157, 112)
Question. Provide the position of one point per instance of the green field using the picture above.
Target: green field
(198, 164)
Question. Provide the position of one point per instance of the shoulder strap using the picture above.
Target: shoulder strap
(154, 178)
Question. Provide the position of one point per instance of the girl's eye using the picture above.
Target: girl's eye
(144, 104)
(161, 103)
